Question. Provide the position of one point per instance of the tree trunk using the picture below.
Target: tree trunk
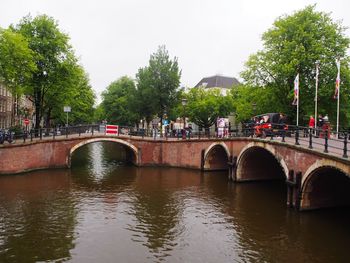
(161, 126)
(48, 117)
(12, 120)
(37, 112)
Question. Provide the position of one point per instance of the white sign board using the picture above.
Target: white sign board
(155, 121)
(67, 109)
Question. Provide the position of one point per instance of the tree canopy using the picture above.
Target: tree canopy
(157, 84)
(79, 95)
(291, 46)
(37, 60)
(17, 61)
(204, 106)
(119, 103)
(249, 101)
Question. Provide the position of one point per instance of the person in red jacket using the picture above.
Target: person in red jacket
(312, 122)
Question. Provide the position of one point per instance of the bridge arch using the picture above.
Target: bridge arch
(325, 184)
(216, 156)
(260, 161)
(135, 152)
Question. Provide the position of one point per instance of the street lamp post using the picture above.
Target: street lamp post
(67, 109)
(317, 64)
(254, 108)
(165, 123)
(184, 103)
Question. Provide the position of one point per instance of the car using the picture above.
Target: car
(248, 127)
(270, 124)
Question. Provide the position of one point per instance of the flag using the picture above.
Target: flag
(337, 81)
(296, 90)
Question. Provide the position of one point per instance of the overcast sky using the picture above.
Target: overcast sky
(114, 38)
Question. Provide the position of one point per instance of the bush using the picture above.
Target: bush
(16, 129)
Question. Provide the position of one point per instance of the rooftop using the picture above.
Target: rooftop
(218, 81)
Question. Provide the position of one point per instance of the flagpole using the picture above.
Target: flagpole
(298, 109)
(296, 96)
(338, 110)
(338, 95)
(296, 90)
(317, 71)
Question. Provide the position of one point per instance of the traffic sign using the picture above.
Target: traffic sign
(26, 121)
(112, 129)
(67, 109)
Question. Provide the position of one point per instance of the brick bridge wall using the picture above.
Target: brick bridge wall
(297, 164)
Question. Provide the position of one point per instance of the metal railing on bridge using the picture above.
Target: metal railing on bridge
(323, 140)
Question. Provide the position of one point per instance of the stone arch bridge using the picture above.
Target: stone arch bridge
(314, 179)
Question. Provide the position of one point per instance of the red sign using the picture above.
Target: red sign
(26, 121)
(112, 129)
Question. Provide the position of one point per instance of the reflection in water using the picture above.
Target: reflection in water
(33, 225)
(156, 213)
(99, 159)
(104, 211)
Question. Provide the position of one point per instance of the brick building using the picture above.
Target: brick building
(6, 102)
(12, 111)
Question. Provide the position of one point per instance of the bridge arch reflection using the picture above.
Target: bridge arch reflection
(133, 152)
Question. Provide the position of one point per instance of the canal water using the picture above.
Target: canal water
(104, 211)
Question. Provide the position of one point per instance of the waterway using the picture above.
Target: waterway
(104, 211)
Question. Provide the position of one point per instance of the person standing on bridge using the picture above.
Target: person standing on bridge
(282, 124)
(319, 125)
(326, 128)
(311, 123)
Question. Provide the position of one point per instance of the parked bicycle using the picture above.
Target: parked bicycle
(6, 135)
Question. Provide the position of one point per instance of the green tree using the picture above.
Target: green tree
(99, 113)
(78, 94)
(16, 63)
(249, 101)
(144, 94)
(205, 106)
(157, 85)
(53, 57)
(118, 102)
(83, 100)
(293, 45)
